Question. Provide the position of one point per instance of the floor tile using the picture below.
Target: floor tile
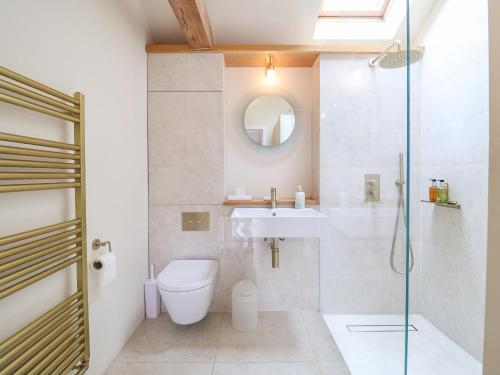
(324, 347)
(161, 340)
(284, 343)
(333, 368)
(290, 368)
(279, 337)
(160, 369)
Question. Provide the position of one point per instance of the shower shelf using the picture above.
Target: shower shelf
(447, 205)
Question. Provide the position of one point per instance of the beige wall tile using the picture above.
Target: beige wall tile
(186, 173)
(167, 241)
(237, 265)
(186, 148)
(186, 110)
(292, 286)
(185, 72)
(295, 284)
(180, 185)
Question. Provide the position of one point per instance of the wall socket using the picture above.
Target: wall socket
(372, 188)
(195, 221)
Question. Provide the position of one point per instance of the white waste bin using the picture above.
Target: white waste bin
(244, 304)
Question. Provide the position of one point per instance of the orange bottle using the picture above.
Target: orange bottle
(433, 190)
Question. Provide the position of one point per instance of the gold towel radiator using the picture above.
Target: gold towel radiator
(58, 341)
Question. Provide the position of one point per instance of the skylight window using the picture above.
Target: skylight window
(354, 8)
(367, 20)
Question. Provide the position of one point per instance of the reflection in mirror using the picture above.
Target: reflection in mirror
(269, 120)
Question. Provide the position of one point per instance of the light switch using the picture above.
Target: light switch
(195, 221)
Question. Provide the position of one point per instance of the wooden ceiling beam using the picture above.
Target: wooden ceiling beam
(194, 22)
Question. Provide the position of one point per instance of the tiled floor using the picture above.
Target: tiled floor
(382, 353)
(285, 343)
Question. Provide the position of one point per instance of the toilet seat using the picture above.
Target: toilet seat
(187, 275)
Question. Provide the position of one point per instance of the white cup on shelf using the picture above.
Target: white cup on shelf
(239, 191)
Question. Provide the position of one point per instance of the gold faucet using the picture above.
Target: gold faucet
(275, 251)
(273, 197)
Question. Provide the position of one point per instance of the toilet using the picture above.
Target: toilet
(187, 287)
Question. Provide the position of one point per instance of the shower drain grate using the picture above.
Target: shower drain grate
(380, 328)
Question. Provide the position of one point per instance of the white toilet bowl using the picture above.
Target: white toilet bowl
(187, 287)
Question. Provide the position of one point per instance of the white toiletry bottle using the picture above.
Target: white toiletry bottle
(300, 198)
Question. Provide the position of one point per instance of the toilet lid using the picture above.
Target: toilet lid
(187, 275)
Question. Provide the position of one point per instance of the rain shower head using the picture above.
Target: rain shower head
(397, 59)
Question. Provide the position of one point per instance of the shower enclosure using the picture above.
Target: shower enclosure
(402, 278)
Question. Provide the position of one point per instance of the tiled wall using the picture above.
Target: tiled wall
(186, 173)
(186, 129)
(455, 147)
(362, 131)
(186, 153)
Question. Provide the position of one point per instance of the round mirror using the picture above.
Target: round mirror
(269, 120)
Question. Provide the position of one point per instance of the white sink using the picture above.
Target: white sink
(278, 222)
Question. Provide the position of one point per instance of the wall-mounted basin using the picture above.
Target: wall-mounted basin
(277, 222)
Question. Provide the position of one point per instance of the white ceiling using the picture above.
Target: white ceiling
(242, 21)
(163, 25)
(257, 21)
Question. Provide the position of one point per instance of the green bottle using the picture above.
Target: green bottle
(442, 196)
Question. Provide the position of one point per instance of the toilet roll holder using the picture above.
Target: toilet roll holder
(96, 245)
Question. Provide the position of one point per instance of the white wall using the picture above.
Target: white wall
(259, 168)
(491, 362)
(362, 131)
(454, 147)
(96, 47)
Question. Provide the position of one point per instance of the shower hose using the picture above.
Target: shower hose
(401, 208)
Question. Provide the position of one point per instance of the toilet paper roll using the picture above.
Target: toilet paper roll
(105, 266)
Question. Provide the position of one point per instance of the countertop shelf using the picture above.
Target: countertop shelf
(262, 202)
(447, 205)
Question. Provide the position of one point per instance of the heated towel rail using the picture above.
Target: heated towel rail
(58, 341)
